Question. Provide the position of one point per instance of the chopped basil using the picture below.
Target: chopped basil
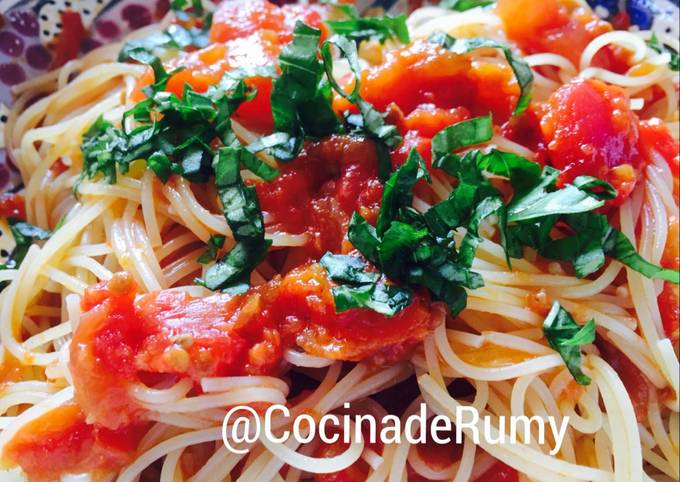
(660, 47)
(362, 288)
(417, 250)
(242, 211)
(301, 100)
(463, 5)
(358, 28)
(215, 243)
(534, 210)
(25, 235)
(462, 134)
(398, 190)
(183, 9)
(178, 143)
(174, 37)
(175, 136)
(521, 69)
(566, 338)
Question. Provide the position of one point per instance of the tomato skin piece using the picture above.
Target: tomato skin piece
(590, 129)
(61, 441)
(428, 119)
(103, 350)
(669, 298)
(655, 137)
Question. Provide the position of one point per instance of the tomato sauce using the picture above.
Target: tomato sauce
(239, 19)
(669, 299)
(500, 472)
(633, 379)
(317, 193)
(62, 441)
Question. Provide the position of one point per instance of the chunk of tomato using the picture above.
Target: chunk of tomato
(61, 441)
(669, 306)
(590, 130)
(425, 73)
(241, 18)
(561, 27)
(122, 340)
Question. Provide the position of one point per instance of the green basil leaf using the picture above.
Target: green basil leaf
(522, 173)
(257, 166)
(300, 103)
(465, 133)
(382, 298)
(379, 29)
(538, 202)
(348, 269)
(596, 187)
(161, 165)
(364, 237)
(463, 5)
(24, 235)
(370, 121)
(398, 189)
(619, 247)
(566, 338)
(490, 206)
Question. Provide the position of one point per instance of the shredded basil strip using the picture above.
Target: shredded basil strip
(178, 143)
(566, 337)
(301, 100)
(231, 274)
(358, 28)
(361, 288)
(418, 250)
(462, 134)
(24, 235)
(521, 69)
(370, 121)
(174, 37)
(463, 5)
